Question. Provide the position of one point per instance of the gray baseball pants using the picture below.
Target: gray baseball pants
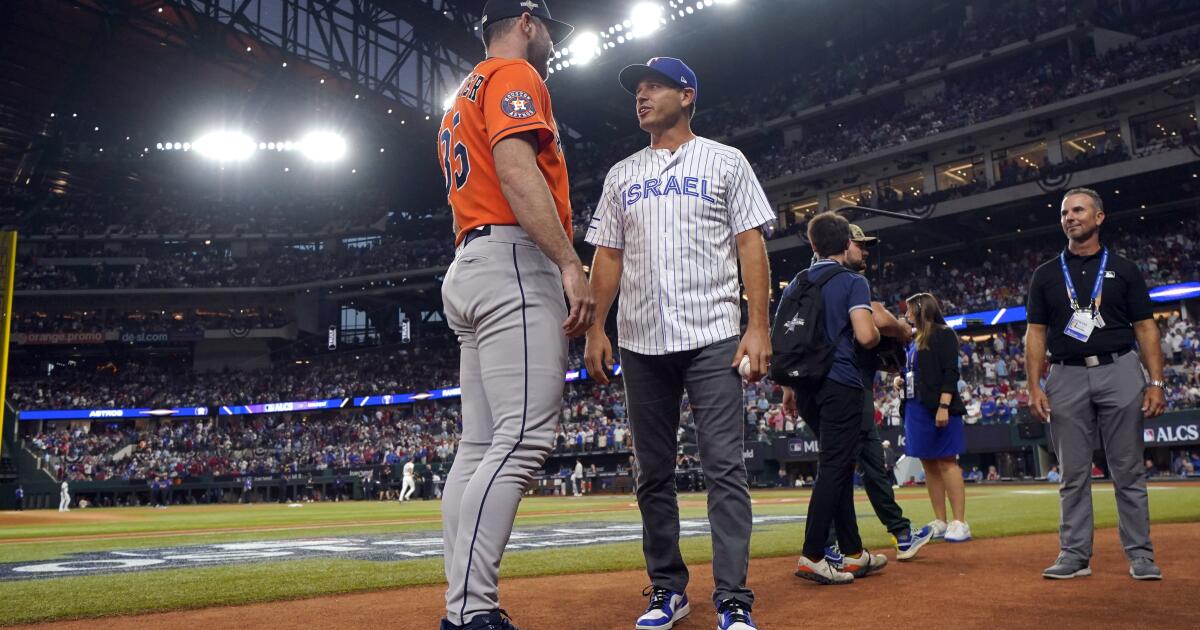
(504, 299)
(1106, 402)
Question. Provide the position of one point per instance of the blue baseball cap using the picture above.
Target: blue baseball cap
(673, 70)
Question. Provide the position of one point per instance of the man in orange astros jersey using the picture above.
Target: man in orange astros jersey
(506, 182)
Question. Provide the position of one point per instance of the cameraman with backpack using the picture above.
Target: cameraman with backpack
(821, 315)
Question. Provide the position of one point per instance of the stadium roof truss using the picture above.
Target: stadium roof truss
(411, 51)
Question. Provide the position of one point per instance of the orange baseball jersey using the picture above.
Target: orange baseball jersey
(500, 98)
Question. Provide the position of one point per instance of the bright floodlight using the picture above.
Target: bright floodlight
(646, 18)
(583, 47)
(225, 146)
(323, 146)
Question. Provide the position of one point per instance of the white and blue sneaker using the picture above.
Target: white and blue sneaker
(907, 546)
(834, 557)
(939, 528)
(734, 615)
(666, 607)
(958, 532)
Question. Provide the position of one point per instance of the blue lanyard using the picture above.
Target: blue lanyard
(1062, 260)
(910, 356)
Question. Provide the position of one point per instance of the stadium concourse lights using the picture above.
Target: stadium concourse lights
(233, 146)
(644, 19)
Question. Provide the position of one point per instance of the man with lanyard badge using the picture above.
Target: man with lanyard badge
(1095, 389)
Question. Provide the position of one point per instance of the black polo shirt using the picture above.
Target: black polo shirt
(1124, 300)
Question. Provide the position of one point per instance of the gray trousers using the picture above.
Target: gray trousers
(654, 387)
(504, 300)
(1103, 401)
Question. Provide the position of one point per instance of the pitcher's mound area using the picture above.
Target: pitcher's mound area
(979, 584)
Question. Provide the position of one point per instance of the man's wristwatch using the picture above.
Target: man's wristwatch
(943, 405)
(1158, 384)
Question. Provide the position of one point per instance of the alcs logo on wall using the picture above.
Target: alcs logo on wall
(1169, 435)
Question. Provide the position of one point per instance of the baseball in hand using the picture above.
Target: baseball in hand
(744, 366)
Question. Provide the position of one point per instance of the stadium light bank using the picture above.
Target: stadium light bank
(236, 146)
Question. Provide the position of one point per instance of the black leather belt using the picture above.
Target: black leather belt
(483, 230)
(1092, 361)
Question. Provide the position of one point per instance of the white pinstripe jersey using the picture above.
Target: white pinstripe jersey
(675, 217)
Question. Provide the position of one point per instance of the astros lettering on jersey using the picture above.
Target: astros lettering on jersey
(501, 97)
(676, 217)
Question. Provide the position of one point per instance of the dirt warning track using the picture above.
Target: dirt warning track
(980, 584)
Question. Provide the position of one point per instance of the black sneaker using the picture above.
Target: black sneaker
(495, 620)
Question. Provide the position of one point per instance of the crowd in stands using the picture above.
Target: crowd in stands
(1024, 83)
(849, 67)
(1014, 171)
(252, 446)
(972, 280)
(593, 419)
(1027, 81)
(853, 68)
(1181, 349)
(137, 321)
(171, 381)
(200, 268)
(170, 212)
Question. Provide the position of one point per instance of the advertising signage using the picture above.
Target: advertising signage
(284, 407)
(102, 414)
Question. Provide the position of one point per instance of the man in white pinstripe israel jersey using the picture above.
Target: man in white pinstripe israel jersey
(670, 228)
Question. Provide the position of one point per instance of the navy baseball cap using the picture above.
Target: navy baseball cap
(496, 10)
(673, 70)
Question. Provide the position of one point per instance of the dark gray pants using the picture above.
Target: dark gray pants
(654, 387)
(1104, 400)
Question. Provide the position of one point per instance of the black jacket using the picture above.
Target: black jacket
(937, 372)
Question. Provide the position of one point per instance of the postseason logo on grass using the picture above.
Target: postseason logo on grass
(381, 549)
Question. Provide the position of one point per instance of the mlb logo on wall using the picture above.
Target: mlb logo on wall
(1149, 433)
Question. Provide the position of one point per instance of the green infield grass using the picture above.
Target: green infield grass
(992, 511)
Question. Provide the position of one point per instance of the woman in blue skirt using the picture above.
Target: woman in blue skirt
(933, 411)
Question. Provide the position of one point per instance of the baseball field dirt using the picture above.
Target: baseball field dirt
(980, 584)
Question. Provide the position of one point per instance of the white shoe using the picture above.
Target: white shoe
(957, 532)
(821, 572)
(864, 564)
(939, 528)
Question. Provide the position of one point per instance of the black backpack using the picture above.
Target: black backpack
(802, 354)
